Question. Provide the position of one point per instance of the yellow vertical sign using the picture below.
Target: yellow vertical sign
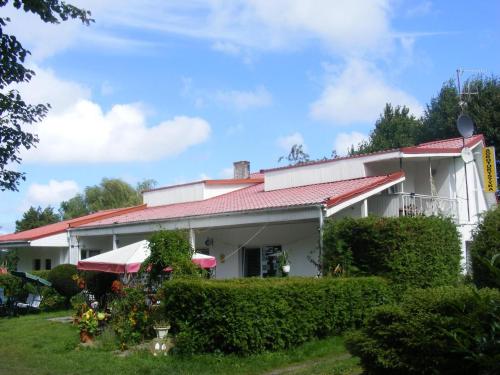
(490, 174)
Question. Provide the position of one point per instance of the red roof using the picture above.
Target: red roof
(255, 198)
(62, 226)
(452, 145)
(445, 146)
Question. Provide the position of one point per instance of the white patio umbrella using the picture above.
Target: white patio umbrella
(128, 259)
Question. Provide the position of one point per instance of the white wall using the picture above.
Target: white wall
(57, 255)
(300, 240)
(214, 190)
(174, 194)
(314, 174)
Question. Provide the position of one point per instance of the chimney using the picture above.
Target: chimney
(241, 169)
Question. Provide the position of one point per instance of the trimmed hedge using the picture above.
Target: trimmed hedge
(253, 315)
(410, 251)
(446, 330)
(485, 246)
(62, 280)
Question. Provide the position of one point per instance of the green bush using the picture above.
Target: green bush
(130, 317)
(51, 300)
(44, 274)
(445, 330)
(11, 284)
(170, 248)
(410, 251)
(62, 280)
(253, 315)
(485, 245)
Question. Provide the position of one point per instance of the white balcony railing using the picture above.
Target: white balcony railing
(426, 205)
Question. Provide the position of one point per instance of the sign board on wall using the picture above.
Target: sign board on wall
(490, 174)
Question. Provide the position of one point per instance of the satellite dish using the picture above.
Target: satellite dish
(465, 125)
(467, 155)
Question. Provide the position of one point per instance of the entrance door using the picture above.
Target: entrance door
(251, 262)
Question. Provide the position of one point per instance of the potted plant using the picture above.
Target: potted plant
(161, 328)
(284, 262)
(88, 325)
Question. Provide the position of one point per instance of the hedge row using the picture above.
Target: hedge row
(446, 330)
(410, 251)
(251, 316)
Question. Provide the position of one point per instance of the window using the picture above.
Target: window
(84, 254)
(37, 264)
(48, 264)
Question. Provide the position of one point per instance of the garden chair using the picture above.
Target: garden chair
(3, 302)
(32, 303)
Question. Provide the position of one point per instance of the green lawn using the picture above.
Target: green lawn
(34, 345)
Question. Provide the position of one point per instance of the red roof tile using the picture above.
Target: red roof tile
(255, 198)
(452, 145)
(60, 227)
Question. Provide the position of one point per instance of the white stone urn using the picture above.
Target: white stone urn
(286, 268)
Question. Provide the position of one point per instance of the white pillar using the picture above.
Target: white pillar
(114, 242)
(364, 208)
(192, 239)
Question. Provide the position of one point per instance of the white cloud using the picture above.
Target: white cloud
(344, 141)
(107, 88)
(46, 87)
(358, 94)
(84, 133)
(286, 142)
(52, 193)
(79, 130)
(345, 26)
(243, 100)
(204, 176)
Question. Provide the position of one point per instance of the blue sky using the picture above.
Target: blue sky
(177, 90)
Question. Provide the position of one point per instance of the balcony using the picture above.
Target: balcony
(404, 204)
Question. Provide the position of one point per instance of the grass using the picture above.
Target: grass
(33, 345)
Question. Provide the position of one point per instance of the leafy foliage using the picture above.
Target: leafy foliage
(131, 319)
(296, 156)
(11, 284)
(410, 251)
(446, 330)
(253, 315)
(170, 249)
(110, 193)
(395, 128)
(15, 113)
(36, 217)
(485, 247)
(62, 281)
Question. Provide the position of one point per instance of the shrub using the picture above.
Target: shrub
(445, 330)
(410, 251)
(44, 274)
(12, 285)
(253, 315)
(130, 317)
(485, 245)
(51, 300)
(170, 249)
(62, 280)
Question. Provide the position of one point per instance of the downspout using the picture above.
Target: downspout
(321, 210)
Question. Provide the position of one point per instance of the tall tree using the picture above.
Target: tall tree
(395, 128)
(15, 113)
(110, 193)
(297, 155)
(483, 106)
(36, 217)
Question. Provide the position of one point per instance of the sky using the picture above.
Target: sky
(178, 90)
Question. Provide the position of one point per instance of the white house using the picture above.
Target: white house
(245, 222)
(46, 247)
